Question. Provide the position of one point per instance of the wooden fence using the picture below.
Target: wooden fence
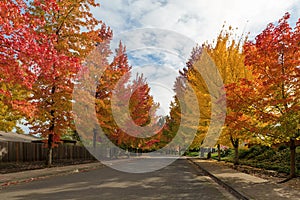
(30, 152)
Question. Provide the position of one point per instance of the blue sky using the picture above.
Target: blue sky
(195, 20)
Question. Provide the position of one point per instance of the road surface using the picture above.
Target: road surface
(180, 180)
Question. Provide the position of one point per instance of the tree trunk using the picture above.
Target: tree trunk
(49, 152)
(94, 138)
(236, 154)
(219, 152)
(292, 158)
(51, 131)
(235, 144)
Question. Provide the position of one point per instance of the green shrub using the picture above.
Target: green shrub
(282, 147)
(268, 158)
(253, 152)
(226, 153)
(243, 153)
(266, 155)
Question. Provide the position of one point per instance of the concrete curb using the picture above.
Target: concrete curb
(230, 189)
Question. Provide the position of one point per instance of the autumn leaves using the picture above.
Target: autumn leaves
(43, 49)
(261, 80)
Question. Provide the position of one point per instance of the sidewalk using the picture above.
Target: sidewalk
(31, 175)
(249, 186)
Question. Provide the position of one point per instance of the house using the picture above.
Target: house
(16, 137)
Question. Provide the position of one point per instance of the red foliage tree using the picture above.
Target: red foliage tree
(274, 60)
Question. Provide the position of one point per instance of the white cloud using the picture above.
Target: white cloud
(161, 69)
(197, 20)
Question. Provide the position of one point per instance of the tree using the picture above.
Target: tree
(63, 22)
(274, 60)
(89, 93)
(240, 123)
(172, 123)
(22, 50)
(192, 76)
(228, 57)
(117, 72)
(224, 60)
(141, 103)
(123, 106)
(20, 45)
(13, 106)
(141, 121)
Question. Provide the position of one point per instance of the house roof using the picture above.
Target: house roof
(16, 137)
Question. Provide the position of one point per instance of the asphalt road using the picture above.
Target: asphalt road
(180, 180)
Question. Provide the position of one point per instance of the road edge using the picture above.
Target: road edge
(227, 187)
(39, 174)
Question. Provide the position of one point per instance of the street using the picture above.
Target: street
(180, 180)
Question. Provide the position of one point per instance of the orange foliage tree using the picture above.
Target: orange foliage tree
(121, 105)
(274, 60)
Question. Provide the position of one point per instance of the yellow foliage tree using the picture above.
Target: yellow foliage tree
(223, 59)
(13, 106)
